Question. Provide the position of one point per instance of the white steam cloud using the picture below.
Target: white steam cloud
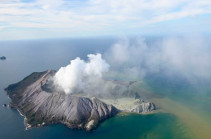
(188, 57)
(81, 76)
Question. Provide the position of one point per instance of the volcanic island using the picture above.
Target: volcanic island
(42, 105)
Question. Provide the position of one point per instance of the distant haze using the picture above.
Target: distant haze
(185, 57)
(189, 57)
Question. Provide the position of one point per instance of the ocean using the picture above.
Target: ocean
(183, 112)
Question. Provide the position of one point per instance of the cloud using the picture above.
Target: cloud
(88, 78)
(173, 57)
(92, 16)
(80, 76)
(187, 57)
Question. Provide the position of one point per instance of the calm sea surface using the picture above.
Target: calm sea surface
(25, 57)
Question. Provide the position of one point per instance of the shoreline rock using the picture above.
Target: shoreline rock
(43, 106)
(144, 107)
(3, 58)
(4, 105)
(39, 106)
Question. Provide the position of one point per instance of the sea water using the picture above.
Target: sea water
(25, 57)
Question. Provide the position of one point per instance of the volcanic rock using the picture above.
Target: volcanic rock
(43, 108)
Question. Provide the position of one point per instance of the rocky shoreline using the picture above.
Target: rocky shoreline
(39, 106)
(3, 58)
(42, 108)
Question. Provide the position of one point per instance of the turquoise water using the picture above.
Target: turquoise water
(160, 125)
(196, 96)
(25, 57)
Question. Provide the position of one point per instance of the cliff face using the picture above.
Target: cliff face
(40, 107)
(145, 107)
(3, 58)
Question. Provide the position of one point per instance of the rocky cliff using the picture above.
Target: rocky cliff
(144, 107)
(43, 108)
(2, 58)
(43, 104)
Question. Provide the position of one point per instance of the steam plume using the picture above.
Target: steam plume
(80, 75)
(187, 57)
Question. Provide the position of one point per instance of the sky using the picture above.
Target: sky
(39, 19)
